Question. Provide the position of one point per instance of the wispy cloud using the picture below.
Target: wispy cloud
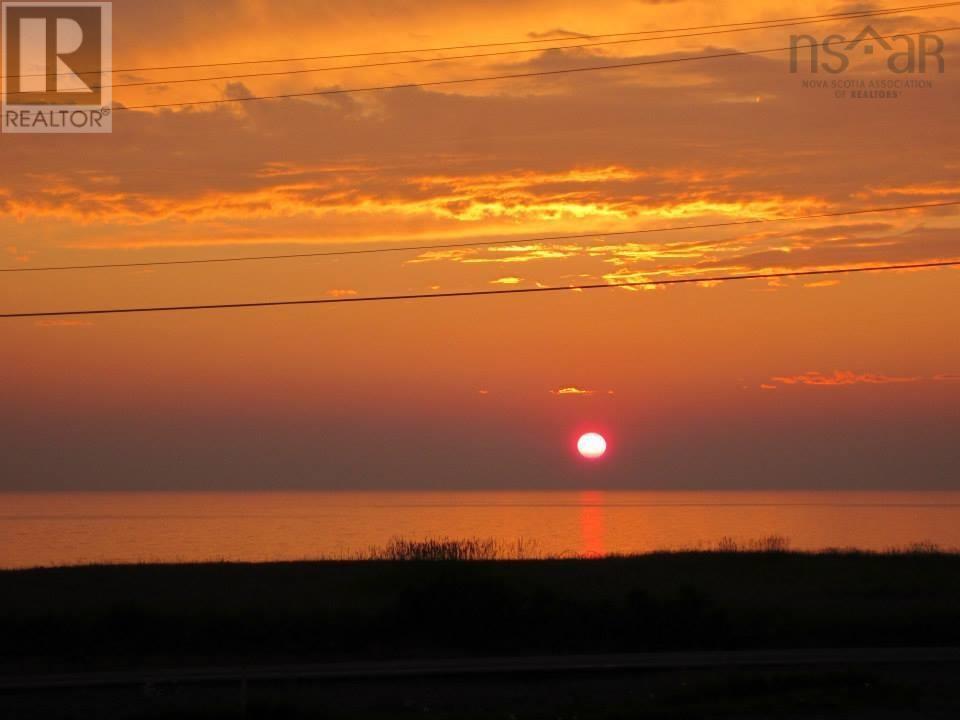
(843, 377)
(62, 322)
(556, 33)
(572, 391)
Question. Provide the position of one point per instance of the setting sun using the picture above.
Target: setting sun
(592, 445)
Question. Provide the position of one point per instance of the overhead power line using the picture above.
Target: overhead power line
(520, 76)
(500, 53)
(482, 243)
(475, 46)
(480, 293)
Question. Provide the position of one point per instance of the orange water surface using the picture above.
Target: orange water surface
(39, 529)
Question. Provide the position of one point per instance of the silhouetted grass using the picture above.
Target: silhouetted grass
(769, 544)
(447, 549)
(446, 597)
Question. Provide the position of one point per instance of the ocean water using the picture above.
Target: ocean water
(42, 529)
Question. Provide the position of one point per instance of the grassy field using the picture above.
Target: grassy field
(396, 607)
(473, 598)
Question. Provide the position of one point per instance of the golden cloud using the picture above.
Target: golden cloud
(572, 390)
(842, 377)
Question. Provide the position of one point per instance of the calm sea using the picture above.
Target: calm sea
(67, 528)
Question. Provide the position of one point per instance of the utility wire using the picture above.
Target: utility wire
(519, 76)
(480, 293)
(499, 53)
(474, 46)
(482, 243)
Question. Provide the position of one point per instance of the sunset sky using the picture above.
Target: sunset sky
(833, 382)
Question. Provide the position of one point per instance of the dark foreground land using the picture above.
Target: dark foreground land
(153, 623)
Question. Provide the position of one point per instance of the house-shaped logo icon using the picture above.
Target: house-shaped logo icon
(868, 37)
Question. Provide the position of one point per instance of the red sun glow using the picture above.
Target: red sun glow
(592, 445)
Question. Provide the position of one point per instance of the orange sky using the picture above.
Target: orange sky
(844, 382)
